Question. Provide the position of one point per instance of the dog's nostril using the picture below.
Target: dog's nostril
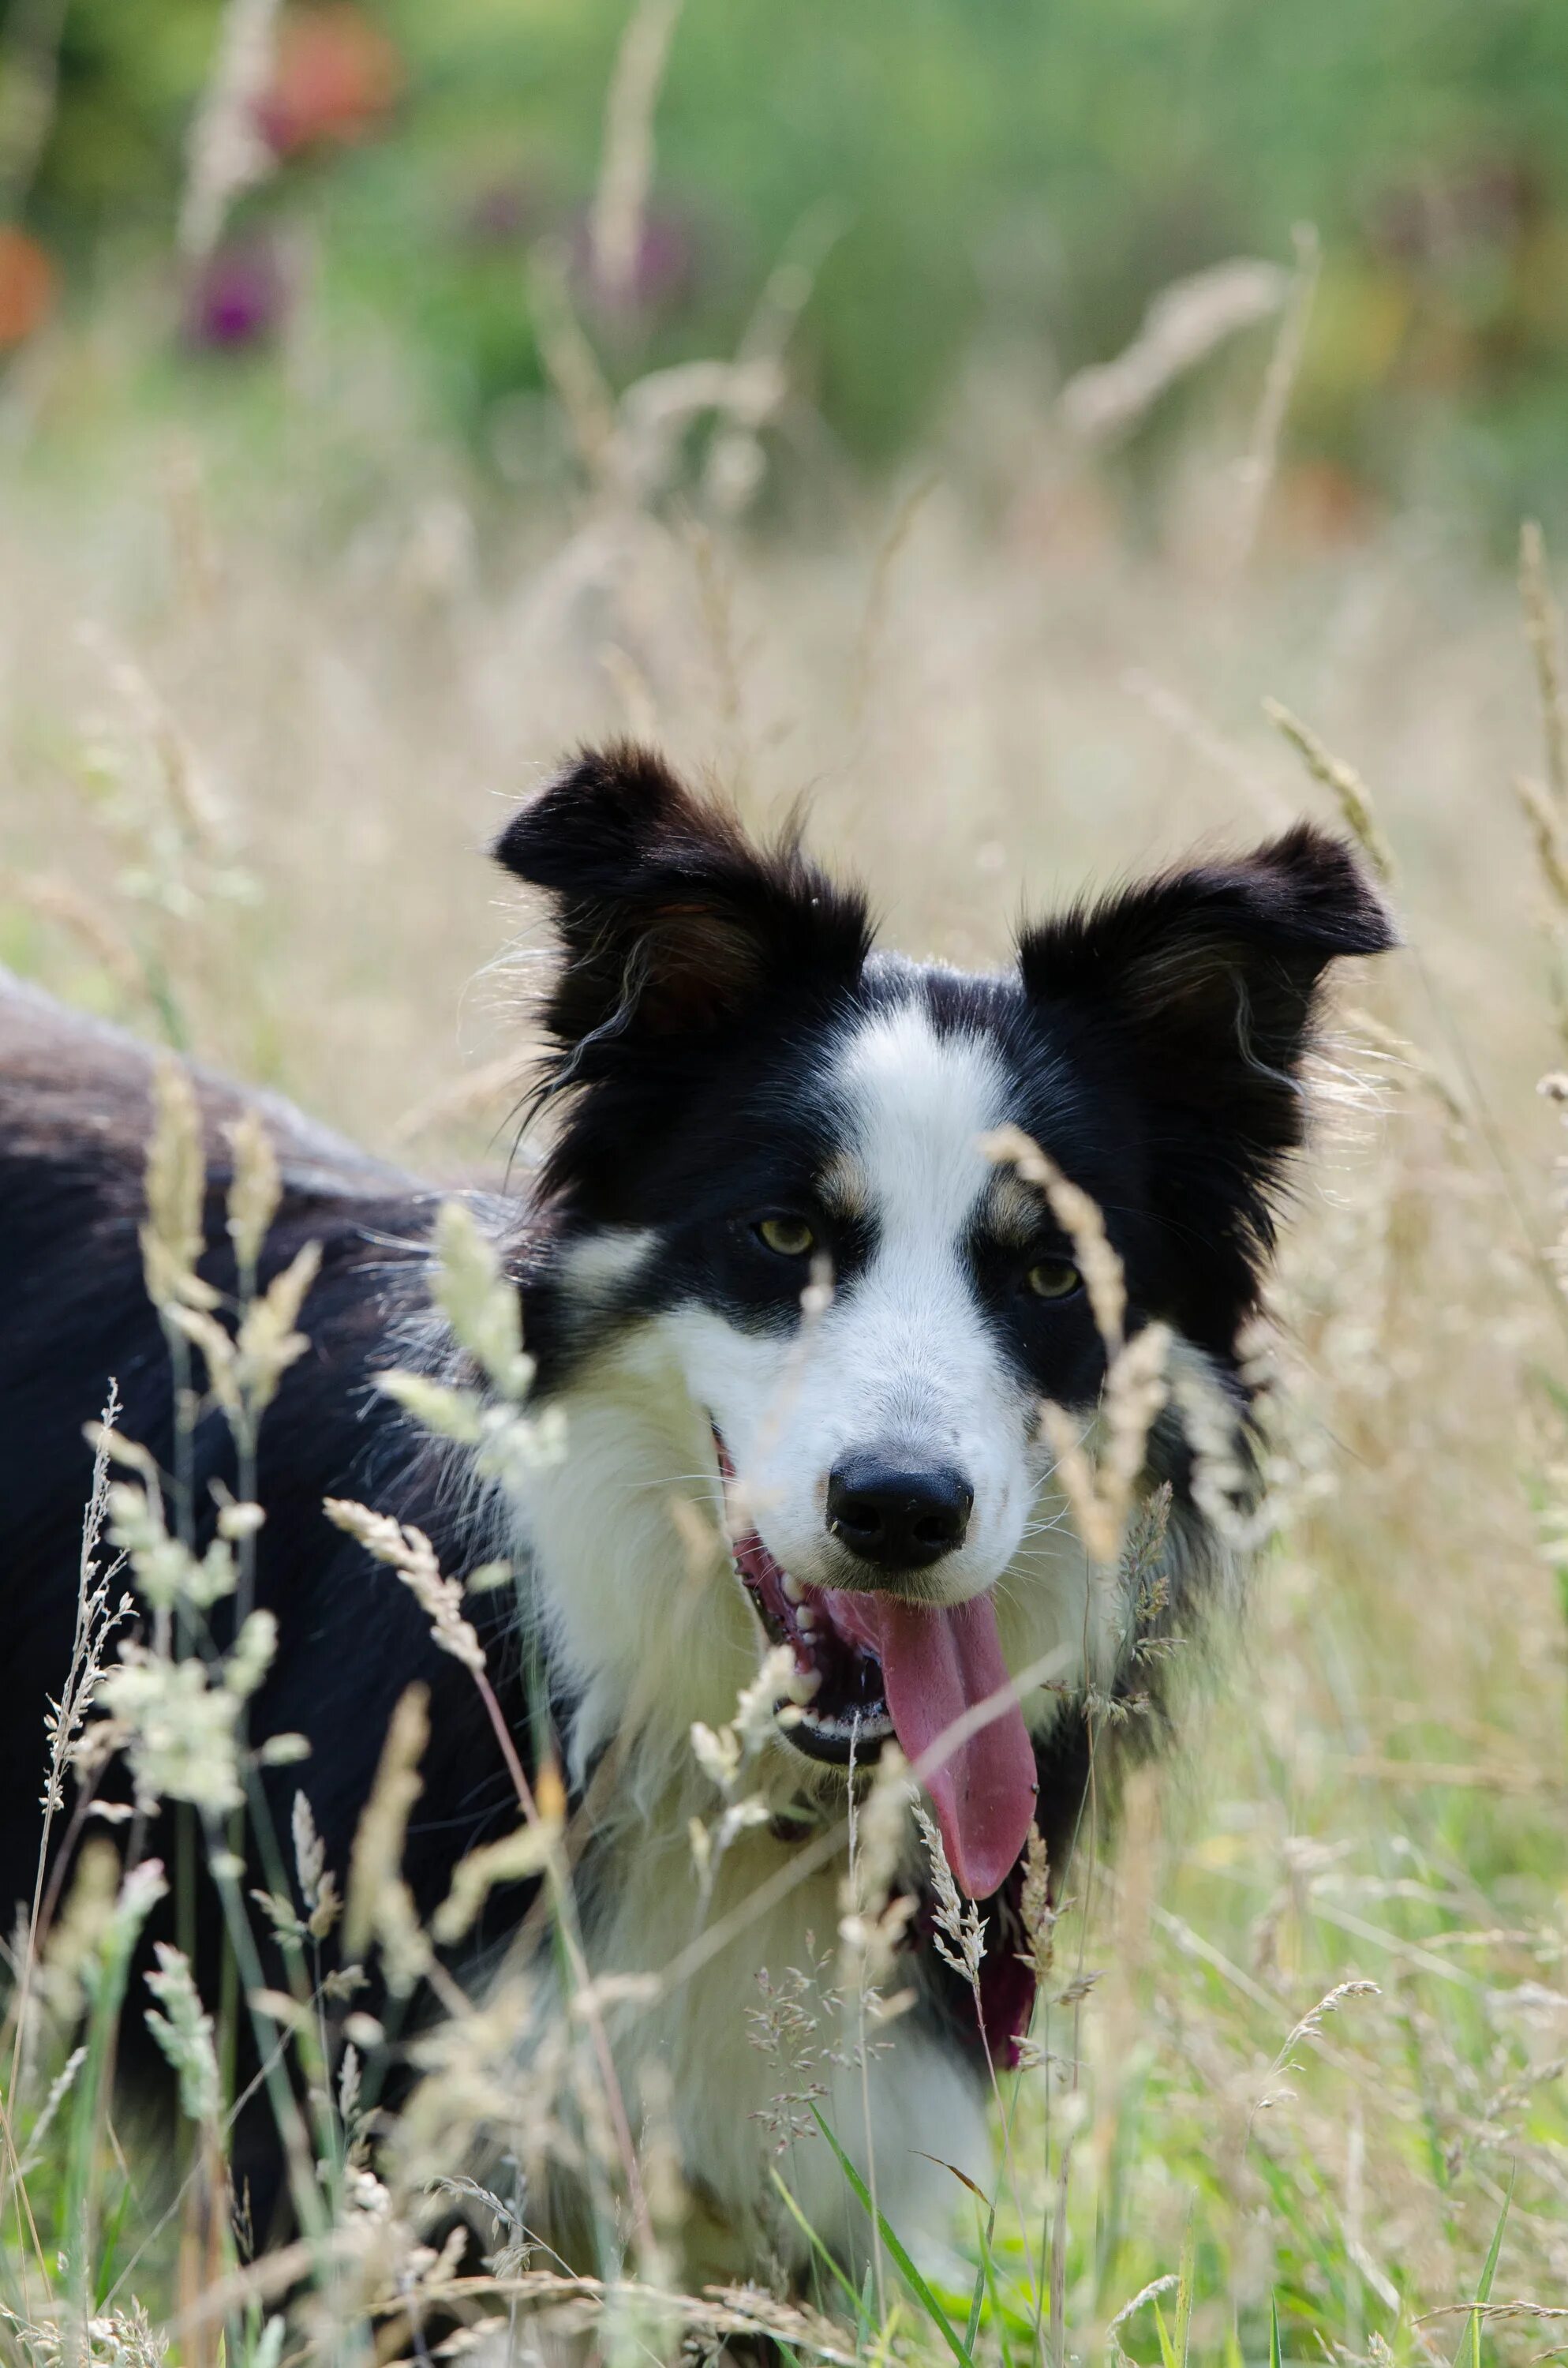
(899, 1515)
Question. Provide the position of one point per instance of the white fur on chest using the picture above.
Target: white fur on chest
(647, 1629)
(723, 2089)
(653, 1632)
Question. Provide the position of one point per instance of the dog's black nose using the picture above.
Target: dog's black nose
(900, 1515)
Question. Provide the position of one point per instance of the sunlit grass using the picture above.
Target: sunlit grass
(1299, 2063)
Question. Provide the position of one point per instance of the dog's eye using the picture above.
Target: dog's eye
(788, 1238)
(1053, 1279)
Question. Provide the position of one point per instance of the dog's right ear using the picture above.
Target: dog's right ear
(670, 920)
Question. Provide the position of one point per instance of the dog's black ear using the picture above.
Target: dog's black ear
(670, 919)
(1204, 983)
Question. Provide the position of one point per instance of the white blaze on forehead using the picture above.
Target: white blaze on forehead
(917, 1103)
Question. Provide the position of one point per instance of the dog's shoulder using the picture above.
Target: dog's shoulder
(76, 1115)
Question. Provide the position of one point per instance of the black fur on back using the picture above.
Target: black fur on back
(75, 1112)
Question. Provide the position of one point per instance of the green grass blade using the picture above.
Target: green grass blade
(998, 2314)
(1483, 2292)
(815, 2242)
(1168, 2355)
(976, 2304)
(1274, 2359)
(1184, 2290)
(917, 2283)
(1468, 2353)
(982, 2279)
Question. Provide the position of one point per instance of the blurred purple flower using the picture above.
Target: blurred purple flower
(663, 272)
(237, 298)
(505, 211)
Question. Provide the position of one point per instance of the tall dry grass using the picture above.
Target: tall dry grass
(1297, 2081)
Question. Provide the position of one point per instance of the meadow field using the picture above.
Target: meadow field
(274, 667)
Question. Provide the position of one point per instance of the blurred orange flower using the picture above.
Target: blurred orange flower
(27, 285)
(336, 79)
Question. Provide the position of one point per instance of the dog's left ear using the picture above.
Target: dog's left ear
(670, 920)
(1204, 984)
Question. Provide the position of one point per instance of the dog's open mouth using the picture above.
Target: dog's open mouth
(871, 1665)
(839, 1698)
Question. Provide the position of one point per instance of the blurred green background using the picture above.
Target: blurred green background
(962, 175)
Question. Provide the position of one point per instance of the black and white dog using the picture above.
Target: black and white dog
(743, 1099)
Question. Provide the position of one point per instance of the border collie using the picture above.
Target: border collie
(782, 1288)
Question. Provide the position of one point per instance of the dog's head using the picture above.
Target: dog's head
(776, 1149)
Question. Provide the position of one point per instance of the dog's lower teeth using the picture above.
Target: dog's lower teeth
(869, 1725)
(824, 1659)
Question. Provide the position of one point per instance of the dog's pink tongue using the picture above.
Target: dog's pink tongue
(937, 1662)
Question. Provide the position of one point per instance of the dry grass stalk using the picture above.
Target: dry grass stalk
(171, 1233)
(318, 1884)
(478, 1300)
(184, 2034)
(225, 153)
(409, 1551)
(626, 169)
(65, 1720)
(957, 1934)
(1543, 631)
(716, 599)
(1225, 1485)
(901, 525)
(192, 801)
(583, 392)
(1080, 1220)
(1549, 828)
(1351, 791)
(721, 2312)
(66, 1732)
(789, 285)
(1193, 730)
(728, 1756)
(735, 463)
(1151, 2293)
(255, 1193)
(244, 1369)
(1257, 470)
(1310, 2024)
(1182, 327)
(513, 1859)
(874, 1914)
(635, 692)
(656, 411)
(379, 1905)
(1100, 1490)
(58, 900)
(1488, 2313)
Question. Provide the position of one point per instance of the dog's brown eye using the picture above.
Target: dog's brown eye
(788, 1238)
(1053, 1279)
